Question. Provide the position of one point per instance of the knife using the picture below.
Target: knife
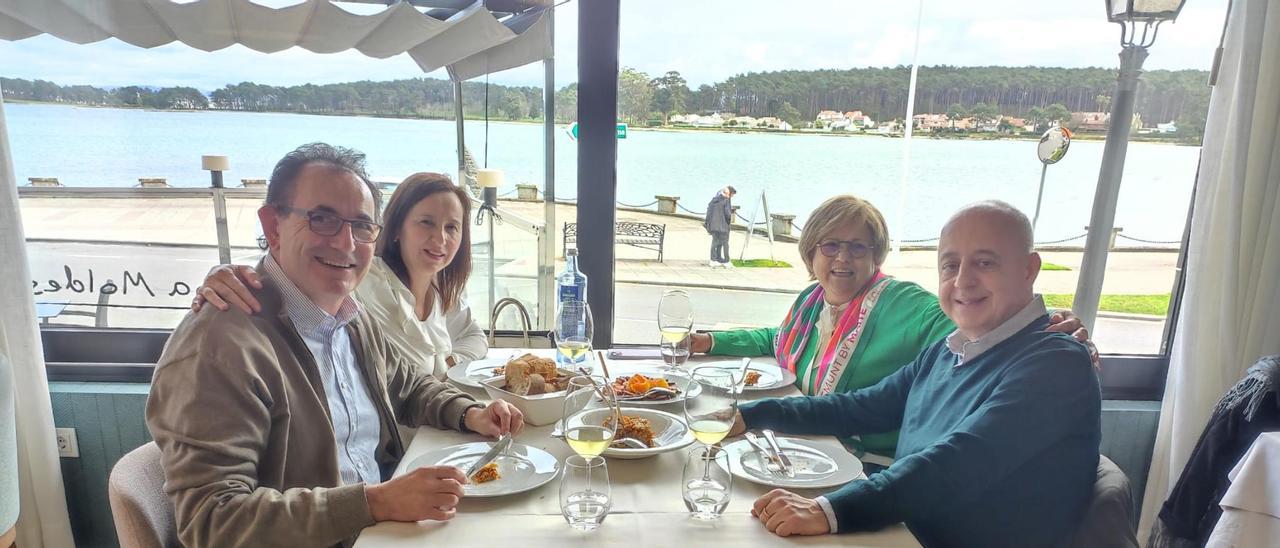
(499, 447)
(771, 460)
(782, 458)
(742, 374)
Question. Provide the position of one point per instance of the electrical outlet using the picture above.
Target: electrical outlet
(67, 444)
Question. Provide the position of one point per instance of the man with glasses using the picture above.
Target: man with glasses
(999, 421)
(280, 428)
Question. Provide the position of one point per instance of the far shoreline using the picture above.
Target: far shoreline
(966, 136)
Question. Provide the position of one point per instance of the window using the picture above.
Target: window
(712, 102)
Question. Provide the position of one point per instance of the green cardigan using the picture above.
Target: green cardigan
(905, 321)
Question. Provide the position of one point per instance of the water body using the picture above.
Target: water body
(115, 147)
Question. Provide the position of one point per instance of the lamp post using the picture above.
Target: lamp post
(489, 181)
(215, 165)
(1139, 21)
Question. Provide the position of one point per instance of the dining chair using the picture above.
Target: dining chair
(142, 512)
(1108, 521)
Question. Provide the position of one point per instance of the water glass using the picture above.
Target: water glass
(584, 492)
(706, 483)
(675, 353)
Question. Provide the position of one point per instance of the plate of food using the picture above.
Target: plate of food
(478, 371)
(762, 375)
(660, 430)
(522, 468)
(814, 465)
(653, 387)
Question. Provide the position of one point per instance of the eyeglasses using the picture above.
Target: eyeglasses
(328, 224)
(857, 250)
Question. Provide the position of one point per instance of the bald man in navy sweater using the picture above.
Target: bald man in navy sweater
(1000, 421)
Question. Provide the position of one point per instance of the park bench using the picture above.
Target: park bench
(632, 233)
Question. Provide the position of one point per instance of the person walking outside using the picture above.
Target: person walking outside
(719, 218)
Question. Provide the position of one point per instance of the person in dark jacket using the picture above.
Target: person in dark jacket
(1251, 407)
(719, 218)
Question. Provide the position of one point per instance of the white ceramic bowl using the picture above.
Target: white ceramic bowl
(538, 410)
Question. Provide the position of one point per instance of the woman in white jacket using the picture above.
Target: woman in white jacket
(415, 285)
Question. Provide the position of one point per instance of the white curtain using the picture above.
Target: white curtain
(1228, 319)
(42, 518)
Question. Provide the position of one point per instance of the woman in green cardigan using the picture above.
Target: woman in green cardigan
(855, 325)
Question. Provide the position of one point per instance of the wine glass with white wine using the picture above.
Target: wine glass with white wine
(710, 416)
(573, 332)
(587, 430)
(675, 321)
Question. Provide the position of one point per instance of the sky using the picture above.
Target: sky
(705, 40)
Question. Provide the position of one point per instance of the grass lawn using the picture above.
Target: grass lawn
(1051, 266)
(761, 263)
(1132, 304)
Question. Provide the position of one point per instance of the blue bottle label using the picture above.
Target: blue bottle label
(570, 293)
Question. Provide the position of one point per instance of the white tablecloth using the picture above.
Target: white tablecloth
(647, 507)
(1251, 506)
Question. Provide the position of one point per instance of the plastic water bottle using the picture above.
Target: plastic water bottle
(571, 285)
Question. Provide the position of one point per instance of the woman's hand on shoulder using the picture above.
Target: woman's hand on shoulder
(228, 285)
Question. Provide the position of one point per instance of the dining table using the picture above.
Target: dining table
(647, 504)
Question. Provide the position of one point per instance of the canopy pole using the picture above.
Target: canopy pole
(547, 241)
(458, 123)
(906, 134)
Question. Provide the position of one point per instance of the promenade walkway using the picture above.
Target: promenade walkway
(186, 227)
(190, 222)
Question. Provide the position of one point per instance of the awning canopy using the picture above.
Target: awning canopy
(462, 35)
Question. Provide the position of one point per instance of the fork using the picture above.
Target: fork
(769, 464)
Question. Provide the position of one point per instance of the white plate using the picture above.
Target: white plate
(627, 370)
(482, 369)
(816, 466)
(772, 377)
(523, 468)
(669, 431)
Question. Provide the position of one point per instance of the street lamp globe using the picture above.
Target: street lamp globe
(1144, 15)
(1143, 11)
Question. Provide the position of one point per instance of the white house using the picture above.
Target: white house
(713, 120)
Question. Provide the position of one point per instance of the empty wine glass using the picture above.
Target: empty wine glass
(573, 332)
(584, 492)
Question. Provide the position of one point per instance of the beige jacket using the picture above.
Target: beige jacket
(238, 409)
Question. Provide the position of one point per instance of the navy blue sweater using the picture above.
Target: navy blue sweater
(999, 451)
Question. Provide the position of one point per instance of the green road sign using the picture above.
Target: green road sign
(621, 130)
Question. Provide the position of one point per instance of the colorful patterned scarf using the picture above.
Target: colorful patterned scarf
(802, 321)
